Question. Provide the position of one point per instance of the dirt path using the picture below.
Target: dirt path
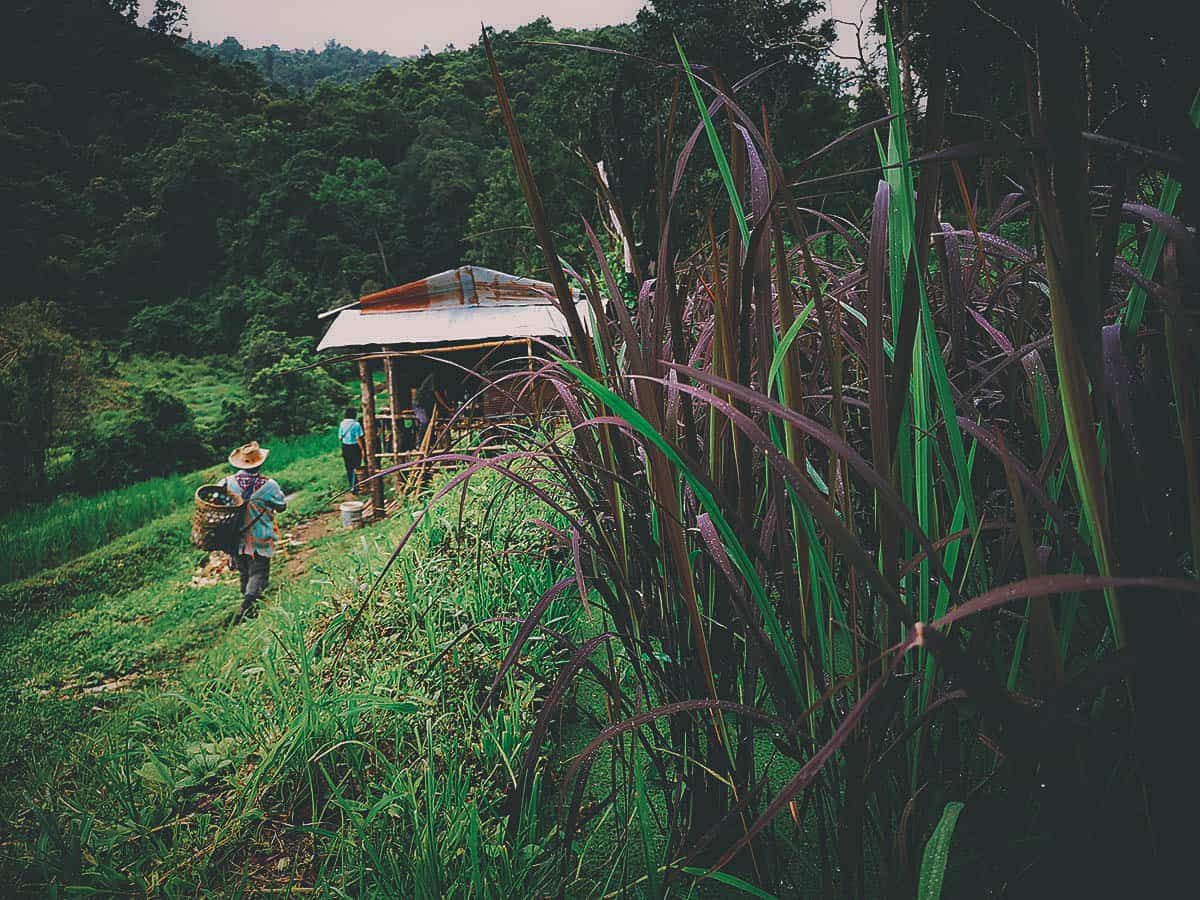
(297, 540)
(295, 549)
(293, 552)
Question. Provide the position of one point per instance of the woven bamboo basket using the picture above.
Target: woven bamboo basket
(214, 526)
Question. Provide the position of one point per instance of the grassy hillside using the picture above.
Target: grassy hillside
(44, 536)
(122, 608)
(183, 755)
(203, 383)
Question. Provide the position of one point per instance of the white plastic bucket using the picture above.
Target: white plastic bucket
(352, 511)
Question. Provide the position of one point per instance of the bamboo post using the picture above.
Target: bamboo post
(535, 397)
(418, 471)
(369, 435)
(394, 407)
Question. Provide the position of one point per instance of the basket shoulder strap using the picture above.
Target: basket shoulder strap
(247, 493)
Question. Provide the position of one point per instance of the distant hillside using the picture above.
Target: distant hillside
(300, 70)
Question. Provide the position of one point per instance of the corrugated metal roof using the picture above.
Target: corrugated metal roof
(466, 285)
(459, 306)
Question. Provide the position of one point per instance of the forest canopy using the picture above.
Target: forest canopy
(164, 194)
(299, 70)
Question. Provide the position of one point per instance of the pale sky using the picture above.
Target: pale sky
(401, 27)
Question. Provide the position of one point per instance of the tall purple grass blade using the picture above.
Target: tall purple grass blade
(735, 199)
(533, 199)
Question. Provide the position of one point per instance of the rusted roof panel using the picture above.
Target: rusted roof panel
(467, 285)
(465, 304)
(464, 286)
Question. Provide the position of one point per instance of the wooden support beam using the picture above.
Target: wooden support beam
(394, 414)
(431, 351)
(454, 348)
(416, 473)
(369, 435)
(534, 394)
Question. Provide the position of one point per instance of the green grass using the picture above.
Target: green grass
(41, 537)
(203, 383)
(284, 751)
(124, 608)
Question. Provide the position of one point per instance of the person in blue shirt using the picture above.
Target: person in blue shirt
(350, 434)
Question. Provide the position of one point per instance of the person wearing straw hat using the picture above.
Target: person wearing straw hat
(256, 544)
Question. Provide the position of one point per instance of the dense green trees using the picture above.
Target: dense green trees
(1141, 66)
(155, 434)
(300, 70)
(169, 17)
(194, 199)
(286, 397)
(154, 191)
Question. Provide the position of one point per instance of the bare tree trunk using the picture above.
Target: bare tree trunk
(383, 259)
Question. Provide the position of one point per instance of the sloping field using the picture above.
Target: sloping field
(177, 754)
(41, 537)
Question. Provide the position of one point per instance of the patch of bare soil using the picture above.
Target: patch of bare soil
(278, 860)
(214, 570)
(293, 548)
(76, 688)
(297, 540)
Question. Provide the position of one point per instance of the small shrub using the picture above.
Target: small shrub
(285, 397)
(182, 327)
(40, 375)
(156, 436)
